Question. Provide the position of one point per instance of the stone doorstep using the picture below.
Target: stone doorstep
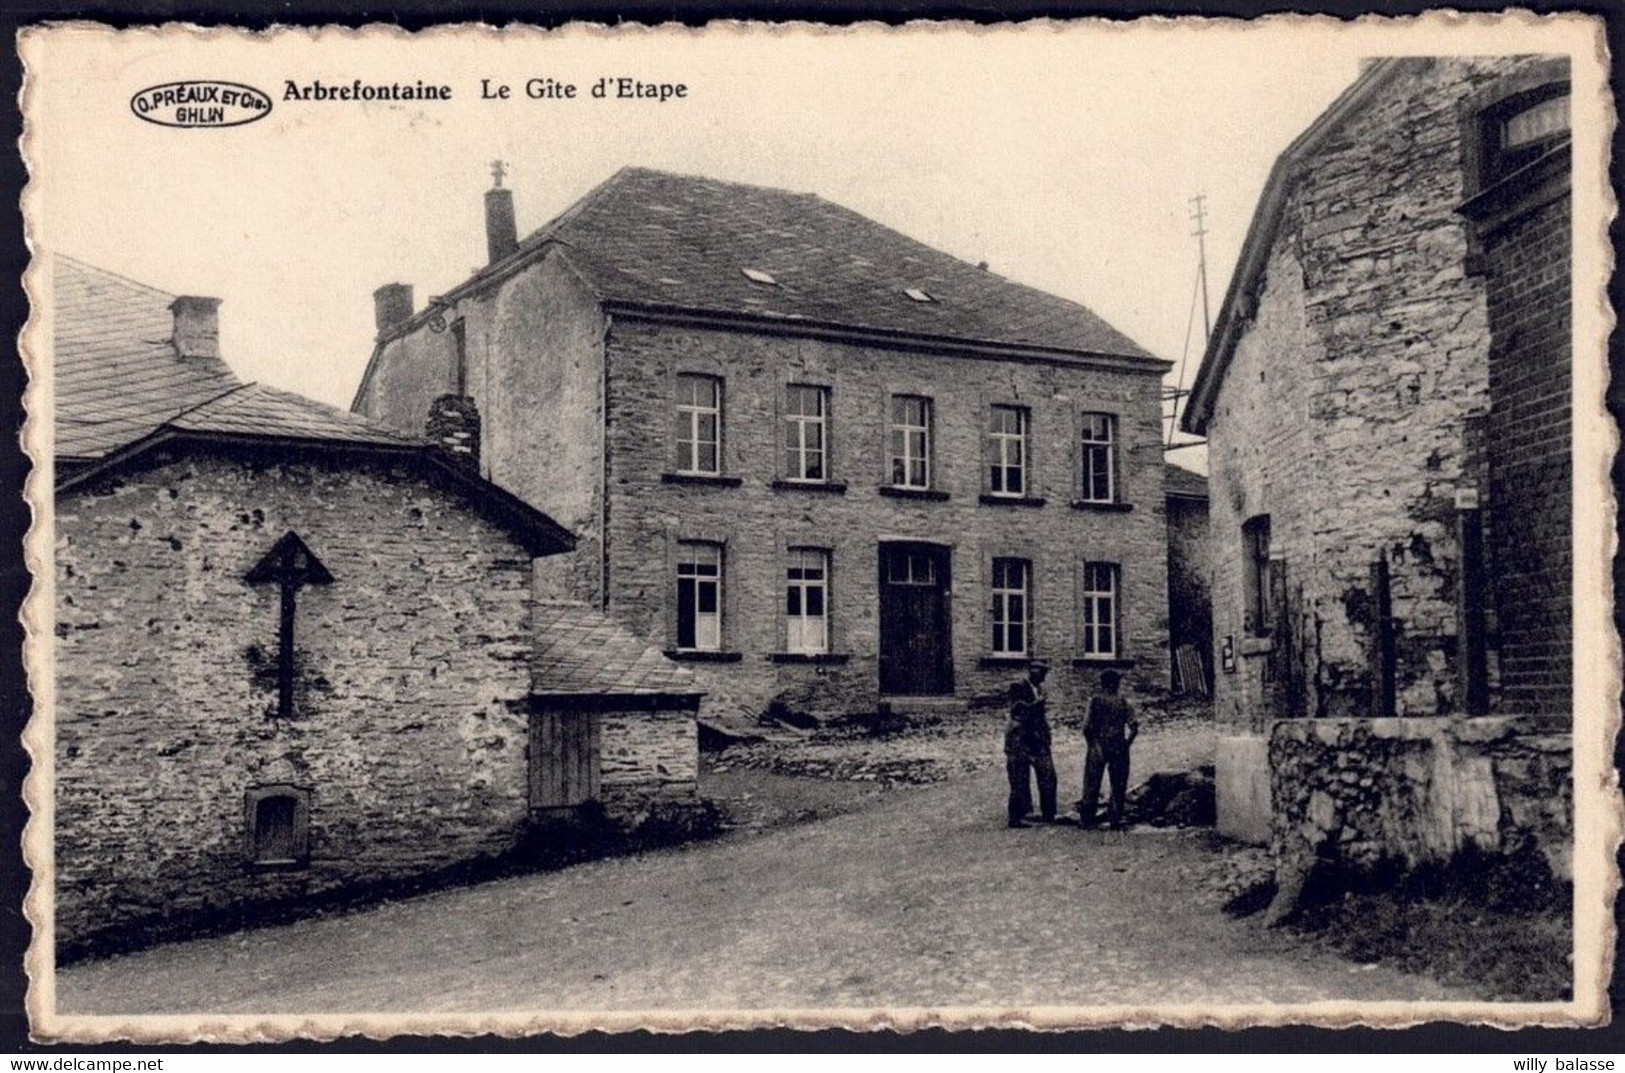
(927, 705)
(743, 731)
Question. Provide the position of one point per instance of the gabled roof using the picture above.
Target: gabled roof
(1255, 251)
(117, 374)
(582, 651)
(103, 317)
(656, 240)
(1183, 483)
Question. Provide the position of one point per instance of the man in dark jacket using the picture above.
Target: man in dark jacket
(1109, 730)
(1027, 747)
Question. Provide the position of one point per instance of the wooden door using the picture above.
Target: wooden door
(915, 652)
(563, 758)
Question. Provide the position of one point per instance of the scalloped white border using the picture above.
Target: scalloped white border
(1598, 812)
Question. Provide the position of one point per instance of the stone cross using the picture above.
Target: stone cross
(498, 170)
(291, 565)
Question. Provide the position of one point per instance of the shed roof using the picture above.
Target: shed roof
(581, 651)
(1184, 483)
(661, 240)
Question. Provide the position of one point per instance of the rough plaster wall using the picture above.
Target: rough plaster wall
(412, 684)
(1263, 459)
(757, 522)
(1392, 350)
(535, 369)
(409, 373)
(539, 339)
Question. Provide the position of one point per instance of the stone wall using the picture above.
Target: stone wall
(1363, 792)
(411, 687)
(1342, 415)
(647, 760)
(757, 521)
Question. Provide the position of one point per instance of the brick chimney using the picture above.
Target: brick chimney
(454, 427)
(392, 305)
(501, 232)
(197, 326)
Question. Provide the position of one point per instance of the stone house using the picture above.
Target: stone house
(1386, 402)
(298, 655)
(822, 463)
(1190, 605)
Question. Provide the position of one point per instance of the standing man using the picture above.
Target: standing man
(1109, 730)
(1027, 746)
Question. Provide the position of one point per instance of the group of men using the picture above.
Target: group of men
(1108, 731)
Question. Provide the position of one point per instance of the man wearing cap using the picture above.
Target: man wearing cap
(1027, 747)
(1109, 731)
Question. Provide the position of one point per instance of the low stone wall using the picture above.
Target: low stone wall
(647, 760)
(1419, 790)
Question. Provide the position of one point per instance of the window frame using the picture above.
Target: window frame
(794, 425)
(686, 439)
(253, 799)
(1088, 446)
(895, 427)
(1000, 619)
(799, 589)
(1496, 161)
(998, 443)
(717, 582)
(1090, 622)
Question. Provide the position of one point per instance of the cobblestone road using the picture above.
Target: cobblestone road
(921, 898)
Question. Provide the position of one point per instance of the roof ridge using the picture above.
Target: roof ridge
(99, 270)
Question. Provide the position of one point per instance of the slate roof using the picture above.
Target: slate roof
(119, 380)
(580, 650)
(257, 410)
(117, 375)
(1183, 482)
(652, 238)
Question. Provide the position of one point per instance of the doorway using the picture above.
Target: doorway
(916, 656)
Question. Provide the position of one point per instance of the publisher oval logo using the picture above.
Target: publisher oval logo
(201, 104)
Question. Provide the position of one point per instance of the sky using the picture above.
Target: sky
(1066, 157)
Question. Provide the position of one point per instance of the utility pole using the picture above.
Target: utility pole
(1177, 394)
(1199, 215)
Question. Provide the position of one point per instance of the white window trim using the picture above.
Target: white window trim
(806, 634)
(689, 415)
(1003, 442)
(1002, 618)
(796, 426)
(1088, 446)
(1091, 601)
(707, 625)
(908, 457)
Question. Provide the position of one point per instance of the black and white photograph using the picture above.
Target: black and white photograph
(1047, 525)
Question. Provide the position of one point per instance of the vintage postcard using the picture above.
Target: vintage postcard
(1056, 524)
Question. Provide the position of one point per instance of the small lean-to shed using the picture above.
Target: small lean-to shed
(613, 721)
